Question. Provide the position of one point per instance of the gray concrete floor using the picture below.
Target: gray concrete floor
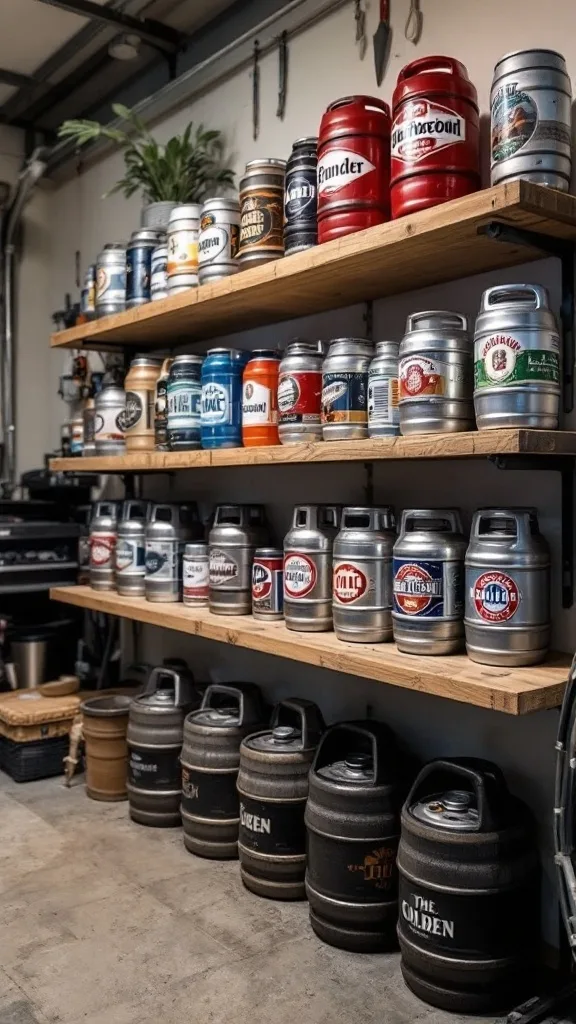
(105, 922)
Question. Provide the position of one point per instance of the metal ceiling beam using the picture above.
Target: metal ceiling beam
(154, 32)
(16, 79)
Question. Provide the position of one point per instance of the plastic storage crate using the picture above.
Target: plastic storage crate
(36, 759)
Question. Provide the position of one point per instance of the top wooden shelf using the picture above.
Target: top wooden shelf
(441, 244)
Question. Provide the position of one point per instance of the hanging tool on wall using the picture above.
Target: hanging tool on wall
(256, 91)
(360, 21)
(413, 27)
(381, 40)
(282, 74)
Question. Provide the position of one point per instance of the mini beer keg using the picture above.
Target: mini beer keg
(353, 828)
(218, 240)
(268, 584)
(308, 568)
(131, 549)
(383, 391)
(155, 728)
(530, 107)
(111, 279)
(139, 265)
(184, 398)
(161, 408)
(428, 588)
(140, 387)
(88, 294)
(260, 399)
(468, 889)
(182, 245)
(507, 596)
(102, 541)
(516, 359)
(195, 575)
(89, 418)
(159, 272)
(436, 372)
(300, 204)
(362, 575)
(345, 389)
(77, 434)
(261, 212)
(109, 415)
(169, 529)
(236, 533)
(300, 392)
(273, 787)
(210, 761)
(220, 411)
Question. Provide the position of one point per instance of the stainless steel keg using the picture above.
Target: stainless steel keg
(131, 549)
(159, 273)
(169, 529)
(182, 243)
(210, 761)
(236, 533)
(109, 416)
(516, 359)
(507, 597)
(111, 279)
(362, 575)
(530, 105)
(383, 391)
(436, 373)
(261, 212)
(273, 787)
(155, 727)
(300, 392)
(308, 568)
(345, 389)
(428, 586)
(218, 240)
(195, 574)
(102, 541)
(89, 417)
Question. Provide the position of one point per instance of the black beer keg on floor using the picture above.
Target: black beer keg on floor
(273, 787)
(468, 889)
(353, 825)
(210, 760)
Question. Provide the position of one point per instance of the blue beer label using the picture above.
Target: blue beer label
(138, 262)
(216, 404)
(344, 397)
(418, 588)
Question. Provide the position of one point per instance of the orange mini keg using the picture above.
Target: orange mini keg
(260, 399)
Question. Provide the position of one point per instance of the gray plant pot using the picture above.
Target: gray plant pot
(156, 215)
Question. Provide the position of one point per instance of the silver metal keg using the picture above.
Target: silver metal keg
(218, 240)
(383, 391)
(507, 598)
(236, 533)
(345, 389)
(436, 373)
(131, 548)
(169, 529)
(111, 279)
(362, 575)
(195, 574)
(102, 541)
(308, 568)
(89, 417)
(109, 415)
(159, 273)
(155, 728)
(516, 359)
(182, 243)
(428, 586)
(530, 105)
(300, 392)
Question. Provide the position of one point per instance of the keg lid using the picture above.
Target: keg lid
(188, 358)
(306, 140)
(159, 699)
(264, 353)
(271, 162)
(281, 740)
(197, 549)
(268, 553)
(355, 768)
(455, 809)
(218, 717)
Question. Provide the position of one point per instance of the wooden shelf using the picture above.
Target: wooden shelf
(515, 691)
(472, 444)
(441, 244)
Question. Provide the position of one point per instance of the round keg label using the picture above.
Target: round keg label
(514, 116)
(102, 548)
(420, 376)
(261, 221)
(223, 568)
(215, 408)
(350, 582)
(422, 128)
(418, 588)
(339, 168)
(299, 397)
(299, 575)
(496, 597)
(134, 410)
(129, 555)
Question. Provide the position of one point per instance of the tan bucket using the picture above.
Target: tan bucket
(105, 720)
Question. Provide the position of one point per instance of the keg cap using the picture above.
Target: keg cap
(196, 550)
(306, 140)
(217, 717)
(159, 699)
(280, 740)
(455, 809)
(355, 768)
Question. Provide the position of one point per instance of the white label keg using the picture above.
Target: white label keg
(362, 575)
(182, 245)
(218, 240)
(308, 568)
(436, 373)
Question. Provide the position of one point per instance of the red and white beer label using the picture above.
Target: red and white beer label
(338, 168)
(422, 128)
(420, 376)
(102, 548)
(496, 597)
(349, 582)
(299, 396)
(299, 575)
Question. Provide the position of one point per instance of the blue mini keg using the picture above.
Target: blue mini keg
(221, 408)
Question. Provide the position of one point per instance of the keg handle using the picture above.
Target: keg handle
(134, 509)
(447, 64)
(450, 515)
(498, 293)
(457, 319)
(370, 102)
(309, 716)
(221, 511)
(246, 701)
(256, 515)
(183, 687)
(330, 515)
(106, 508)
(327, 749)
(476, 772)
(525, 519)
(386, 517)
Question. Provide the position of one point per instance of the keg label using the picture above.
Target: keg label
(505, 359)
(424, 917)
(350, 582)
(261, 222)
(109, 425)
(216, 406)
(300, 197)
(138, 273)
(359, 870)
(344, 397)
(275, 828)
(134, 410)
(257, 405)
(195, 578)
(182, 252)
(153, 769)
(418, 588)
(162, 560)
(110, 286)
(102, 547)
(267, 585)
(223, 567)
(210, 794)
(420, 376)
(217, 241)
(300, 397)
(514, 116)
(130, 555)
(184, 406)
(496, 596)
(299, 575)
(383, 395)
(341, 167)
(423, 128)
(158, 276)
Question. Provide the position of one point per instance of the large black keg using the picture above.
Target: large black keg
(273, 787)
(210, 760)
(468, 888)
(353, 824)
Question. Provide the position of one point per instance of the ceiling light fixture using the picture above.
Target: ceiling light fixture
(125, 47)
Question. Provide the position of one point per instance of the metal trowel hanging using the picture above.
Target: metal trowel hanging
(381, 41)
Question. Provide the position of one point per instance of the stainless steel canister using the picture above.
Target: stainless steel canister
(102, 541)
(262, 212)
(159, 273)
(131, 548)
(219, 239)
(428, 584)
(111, 279)
(507, 599)
(182, 242)
(236, 533)
(436, 373)
(530, 105)
(110, 411)
(345, 389)
(300, 392)
(195, 574)
(308, 568)
(89, 417)
(383, 391)
(362, 575)
(169, 529)
(516, 359)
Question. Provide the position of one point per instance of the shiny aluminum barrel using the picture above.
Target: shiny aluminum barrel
(236, 533)
(131, 548)
(362, 575)
(345, 389)
(436, 374)
(169, 528)
(308, 568)
(300, 392)
(102, 541)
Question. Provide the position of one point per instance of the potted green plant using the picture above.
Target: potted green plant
(188, 169)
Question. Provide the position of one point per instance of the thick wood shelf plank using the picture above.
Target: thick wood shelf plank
(441, 244)
(515, 691)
